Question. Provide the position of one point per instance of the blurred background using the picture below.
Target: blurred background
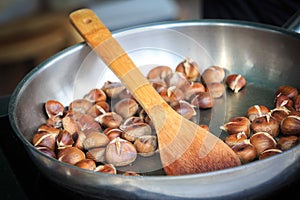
(33, 30)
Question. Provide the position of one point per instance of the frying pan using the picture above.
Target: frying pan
(267, 56)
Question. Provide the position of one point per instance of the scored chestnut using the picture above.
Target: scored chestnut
(203, 100)
(289, 91)
(235, 82)
(262, 141)
(257, 111)
(120, 152)
(245, 150)
(291, 125)
(239, 124)
(266, 124)
(189, 68)
(213, 74)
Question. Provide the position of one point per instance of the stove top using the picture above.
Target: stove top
(21, 179)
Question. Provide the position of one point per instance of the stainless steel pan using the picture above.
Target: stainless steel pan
(267, 56)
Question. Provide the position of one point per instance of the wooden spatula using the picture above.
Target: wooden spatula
(184, 147)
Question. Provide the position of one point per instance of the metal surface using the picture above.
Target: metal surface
(267, 56)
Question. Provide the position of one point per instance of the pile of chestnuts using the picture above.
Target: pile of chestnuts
(265, 132)
(107, 128)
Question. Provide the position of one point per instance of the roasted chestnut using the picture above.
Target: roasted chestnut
(120, 152)
(287, 142)
(189, 68)
(234, 139)
(257, 111)
(235, 82)
(203, 100)
(266, 124)
(146, 145)
(54, 108)
(216, 89)
(159, 72)
(262, 141)
(106, 168)
(213, 74)
(86, 164)
(291, 125)
(286, 90)
(268, 153)
(70, 155)
(245, 150)
(239, 124)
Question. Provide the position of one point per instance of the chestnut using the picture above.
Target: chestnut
(79, 137)
(257, 111)
(245, 151)
(262, 141)
(193, 89)
(126, 107)
(106, 168)
(86, 164)
(131, 120)
(287, 142)
(233, 139)
(203, 100)
(159, 72)
(279, 113)
(64, 139)
(112, 133)
(216, 89)
(95, 95)
(113, 89)
(146, 145)
(172, 94)
(46, 151)
(235, 82)
(80, 105)
(213, 74)
(297, 103)
(291, 125)
(97, 154)
(266, 124)
(54, 108)
(131, 173)
(70, 155)
(268, 153)
(289, 91)
(158, 84)
(144, 116)
(110, 119)
(45, 139)
(189, 68)
(120, 152)
(184, 108)
(99, 108)
(176, 79)
(55, 122)
(86, 122)
(239, 124)
(132, 132)
(69, 124)
(49, 129)
(283, 100)
(95, 139)
(205, 127)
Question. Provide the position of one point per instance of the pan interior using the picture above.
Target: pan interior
(266, 58)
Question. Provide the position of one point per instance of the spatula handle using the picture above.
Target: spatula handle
(97, 35)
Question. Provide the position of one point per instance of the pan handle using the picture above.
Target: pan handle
(293, 24)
